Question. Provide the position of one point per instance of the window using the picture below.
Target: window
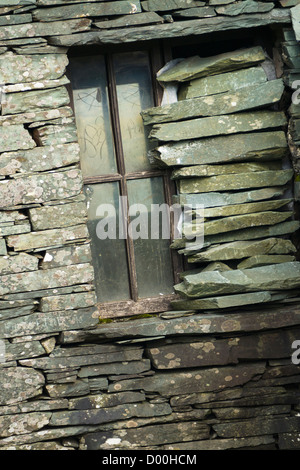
(109, 91)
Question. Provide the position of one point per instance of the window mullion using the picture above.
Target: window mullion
(112, 89)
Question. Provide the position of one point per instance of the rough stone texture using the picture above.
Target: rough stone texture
(216, 374)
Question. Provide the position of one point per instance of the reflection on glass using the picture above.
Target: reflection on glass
(109, 256)
(152, 256)
(88, 76)
(134, 90)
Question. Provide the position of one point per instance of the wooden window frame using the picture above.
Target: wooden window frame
(135, 306)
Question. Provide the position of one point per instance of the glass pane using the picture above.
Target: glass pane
(88, 76)
(153, 256)
(134, 90)
(109, 256)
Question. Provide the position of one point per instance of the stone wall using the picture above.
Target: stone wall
(212, 377)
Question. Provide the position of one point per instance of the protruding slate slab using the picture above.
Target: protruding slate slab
(244, 249)
(248, 6)
(215, 105)
(252, 233)
(227, 199)
(217, 125)
(240, 209)
(262, 260)
(274, 277)
(197, 67)
(237, 222)
(222, 83)
(130, 20)
(240, 181)
(3, 250)
(233, 148)
(230, 301)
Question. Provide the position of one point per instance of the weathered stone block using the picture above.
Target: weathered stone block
(170, 384)
(15, 138)
(243, 99)
(258, 426)
(19, 384)
(39, 159)
(66, 215)
(256, 179)
(216, 125)
(222, 83)
(262, 260)
(48, 238)
(23, 423)
(40, 188)
(196, 67)
(67, 302)
(233, 148)
(275, 277)
(67, 256)
(15, 103)
(247, 6)
(18, 264)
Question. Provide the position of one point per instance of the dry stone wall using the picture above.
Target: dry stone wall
(203, 376)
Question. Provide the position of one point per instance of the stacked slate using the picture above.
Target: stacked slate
(225, 140)
(183, 380)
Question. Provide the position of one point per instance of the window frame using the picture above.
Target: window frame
(158, 56)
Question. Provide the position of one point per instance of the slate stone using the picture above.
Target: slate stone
(257, 426)
(42, 29)
(53, 322)
(130, 20)
(194, 324)
(274, 277)
(240, 181)
(15, 138)
(47, 238)
(233, 148)
(229, 301)
(255, 232)
(21, 384)
(197, 67)
(216, 125)
(85, 10)
(14, 352)
(172, 30)
(14, 103)
(106, 415)
(3, 250)
(230, 168)
(49, 217)
(13, 68)
(295, 13)
(146, 436)
(85, 359)
(247, 6)
(18, 264)
(210, 352)
(43, 188)
(262, 260)
(6, 230)
(39, 159)
(156, 5)
(66, 256)
(56, 134)
(179, 383)
(238, 222)
(222, 444)
(77, 389)
(67, 302)
(10, 313)
(23, 423)
(246, 208)
(222, 83)
(197, 12)
(243, 99)
(47, 279)
(37, 115)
